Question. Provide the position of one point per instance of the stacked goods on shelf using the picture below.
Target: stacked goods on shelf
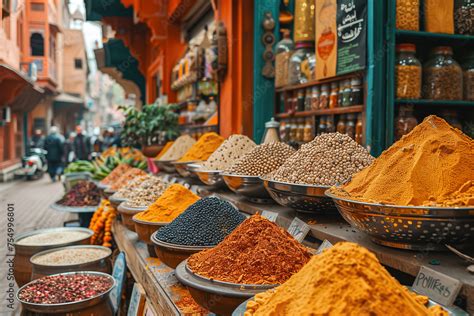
(83, 193)
(101, 224)
(203, 148)
(231, 150)
(126, 178)
(180, 146)
(344, 279)
(256, 252)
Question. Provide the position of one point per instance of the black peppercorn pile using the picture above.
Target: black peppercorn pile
(205, 223)
(262, 160)
(83, 193)
(58, 289)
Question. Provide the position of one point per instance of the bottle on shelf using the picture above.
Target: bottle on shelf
(350, 125)
(301, 125)
(340, 93)
(341, 124)
(307, 99)
(359, 130)
(333, 95)
(283, 51)
(324, 97)
(300, 100)
(322, 125)
(405, 121)
(407, 73)
(315, 97)
(346, 95)
(330, 127)
(308, 130)
(356, 92)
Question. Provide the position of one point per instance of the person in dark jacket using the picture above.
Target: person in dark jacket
(53, 144)
(81, 145)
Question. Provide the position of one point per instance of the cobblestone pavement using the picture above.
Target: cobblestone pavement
(30, 202)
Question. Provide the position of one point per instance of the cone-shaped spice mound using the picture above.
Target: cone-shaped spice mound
(345, 279)
(432, 165)
(257, 252)
(203, 148)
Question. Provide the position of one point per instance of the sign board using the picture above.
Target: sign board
(271, 216)
(118, 273)
(137, 301)
(341, 37)
(298, 229)
(438, 287)
(325, 245)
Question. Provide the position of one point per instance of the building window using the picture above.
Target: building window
(35, 6)
(77, 63)
(37, 44)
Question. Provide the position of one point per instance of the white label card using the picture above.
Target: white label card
(438, 287)
(298, 229)
(325, 245)
(271, 216)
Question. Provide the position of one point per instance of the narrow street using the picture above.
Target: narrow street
(31, 200)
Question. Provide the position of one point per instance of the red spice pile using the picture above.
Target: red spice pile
(59, 289)
(256, 252)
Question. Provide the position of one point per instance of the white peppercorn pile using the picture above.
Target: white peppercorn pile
(262, 160)
(205, 223)
(229, 152)
(147, 193)
(329, 159)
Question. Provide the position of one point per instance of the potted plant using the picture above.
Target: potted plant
(150, 127)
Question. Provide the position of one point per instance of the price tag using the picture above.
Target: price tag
(438, 287)
(271, 216)
(298, 229)
(325, 245)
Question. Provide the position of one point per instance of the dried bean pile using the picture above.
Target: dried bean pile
(53, 238)
(205, 223)
(232, 149)
(262, 160)
(148, 192)
(71, 256)
(59, 289)
(83, 193)
(126, 191)
(464, 19)
(256, 252)
(327, 160)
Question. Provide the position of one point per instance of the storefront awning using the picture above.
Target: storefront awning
(18, 90)
(66, 100)
(97, 9)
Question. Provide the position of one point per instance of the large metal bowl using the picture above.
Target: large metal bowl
(301, 197)
(127, 213)
(251, 187)
(72, 306)
(145, 229)
(165, 165)
(219, 297)
(212, 178)
(409, 227)
(115, 201)
(184, 169)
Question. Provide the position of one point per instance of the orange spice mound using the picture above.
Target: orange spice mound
(174, 201)
(128, 176)
(116, 173)
(345, 279)
(203, 148)
(186, 304)
(165, 149)
(256, 252)
(431, 166)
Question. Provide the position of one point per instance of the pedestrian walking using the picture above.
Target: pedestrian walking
(54, 145)
(81, 145)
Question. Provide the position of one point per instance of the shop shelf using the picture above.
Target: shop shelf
(317, 82)
(435, 102)
(339, 110)
(434, 38)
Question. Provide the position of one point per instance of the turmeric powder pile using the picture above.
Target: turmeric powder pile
(203, 148)
(345, 279)
(431, 166)
(165, 149)
(175, 200)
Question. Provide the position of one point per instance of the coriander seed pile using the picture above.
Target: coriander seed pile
(229, 152)
(329, 159)
(262, 160)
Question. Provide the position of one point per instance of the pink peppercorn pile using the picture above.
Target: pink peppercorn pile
(59, 289)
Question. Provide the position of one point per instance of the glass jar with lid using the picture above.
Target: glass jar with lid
(307, 99)
(350, 126)
(324, 97)
(341, 124)
(346, 94)
(407, 72)
(308, 130)
(283, 50)
(315, 98)
(330, 127)
(442, 76)
(322, 125)
(356, 91)
(298, 64)
(333, 95)
(405, 121)
(468, 75)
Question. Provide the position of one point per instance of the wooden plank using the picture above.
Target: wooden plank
(338, 110)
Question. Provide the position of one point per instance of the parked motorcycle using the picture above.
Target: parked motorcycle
(34, 165)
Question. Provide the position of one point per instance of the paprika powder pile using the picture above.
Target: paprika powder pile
(127, 177)
(345, 279)
(203, 148)
(432, 166)
(115, 174)
(256, 252)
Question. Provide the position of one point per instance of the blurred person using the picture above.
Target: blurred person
(81, 145)
(96, 141)
(37, 140)
(54, 145)
(68, 148)
(109, 137)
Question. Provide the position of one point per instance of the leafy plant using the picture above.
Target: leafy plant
(154, 124)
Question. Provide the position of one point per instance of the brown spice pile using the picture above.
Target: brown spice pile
(257, 252)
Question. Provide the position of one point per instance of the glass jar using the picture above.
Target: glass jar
(324, 97)
(468, 77)
(282, 130)
(296, 72)
(340, 93)
(333, 95)
(315, 98)
(350, 126)
(464, 17)
(308, 67)
(341, 124)
(405, 121)
(451, 116)
(407, 16)
(283, 50)
(300, 100)
(308, 131)
(442, 76)
(356, 92)
(300, 135)
(359, 130)
(330, 127)
(322, 125)
(346, 95)
(304, 20)
(293, 130)
(307, 99)
(407, 72)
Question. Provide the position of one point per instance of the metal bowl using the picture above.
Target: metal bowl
(103, 186)
(165, 165)
(303, 198)
(145, 229)
(219, 297)
(109, 192)
(210, 178)
(74, 209)
(115, 201)
(409, 227)
(68, 307)
(172, 254)
(127, 213)
(251, 187)
(100, 265)
(184, 170)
